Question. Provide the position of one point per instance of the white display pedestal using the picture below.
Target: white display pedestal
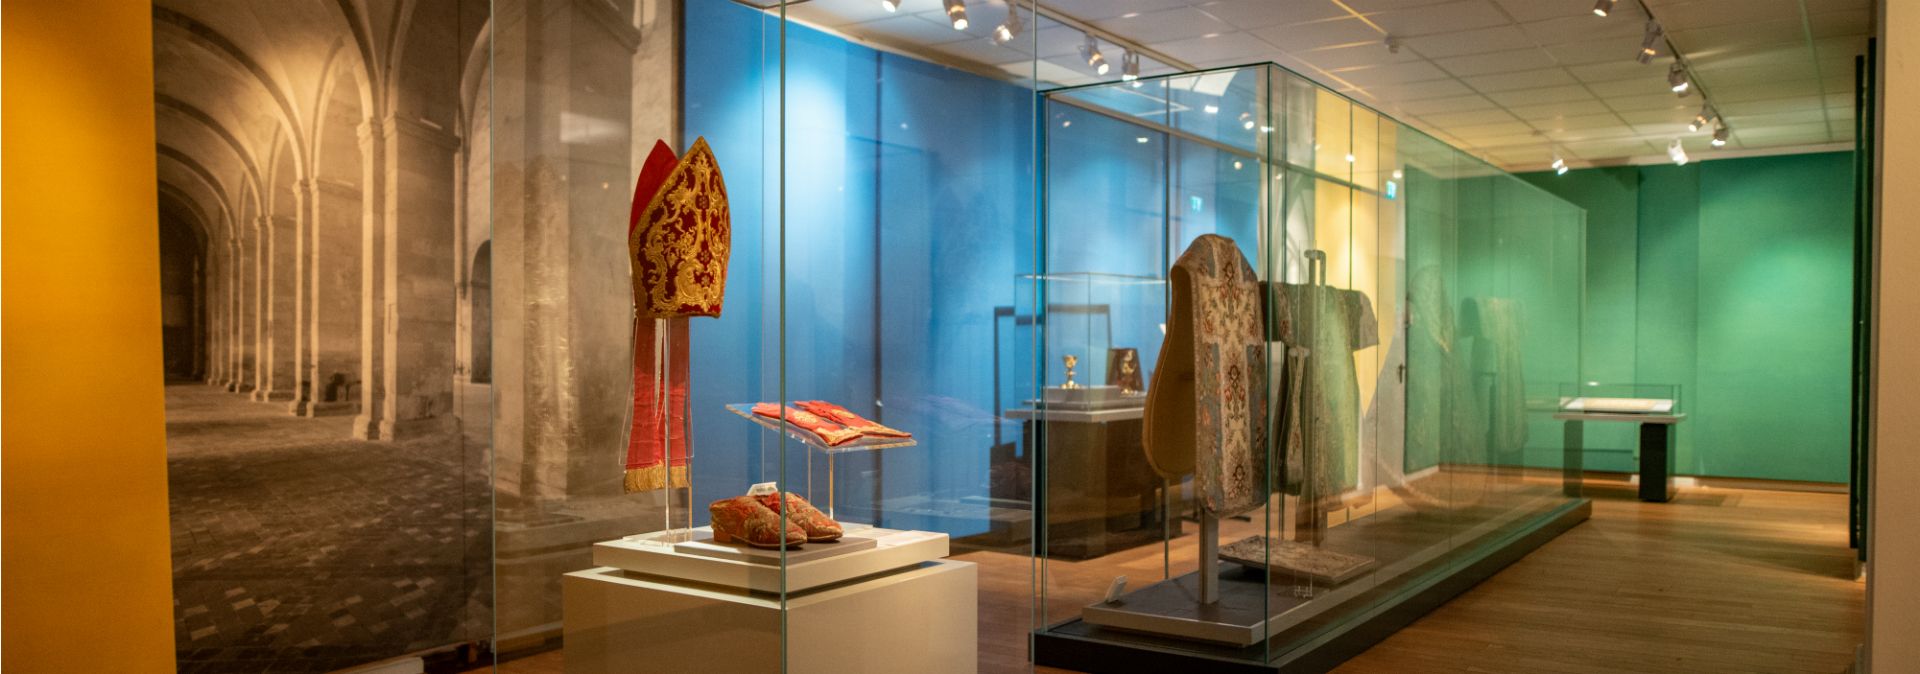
(921, 620)
(886, 603)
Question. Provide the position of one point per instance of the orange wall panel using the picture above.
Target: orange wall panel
(85, 577)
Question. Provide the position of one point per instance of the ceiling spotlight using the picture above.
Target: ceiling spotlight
(1603, 7)
(1398, 174)
(1677, 78)
(1700, 120)
(957, 13)
(1009, 29)
(891, 5)
(1393, 45)
(1559, 165)
(1091, 53)
(1649, 45)
(1349, 157)
(1677, 153)
(1246, 121)
(1720, 135)
(1130, 67)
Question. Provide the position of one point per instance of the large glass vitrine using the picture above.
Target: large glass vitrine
(1417, 311)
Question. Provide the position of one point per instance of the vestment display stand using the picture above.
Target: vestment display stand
(1309, 526)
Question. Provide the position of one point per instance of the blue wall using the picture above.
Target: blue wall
(909, 215)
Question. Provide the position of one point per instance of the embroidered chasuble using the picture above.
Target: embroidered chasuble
(1320, 397)
(678, 243)
(1206, 408)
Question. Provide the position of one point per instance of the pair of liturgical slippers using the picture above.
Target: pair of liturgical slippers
(756, 521)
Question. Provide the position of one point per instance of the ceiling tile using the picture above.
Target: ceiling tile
(1612, 148)
(1451, 104)
(1535, 113)
(1454, 119)
(1498, 129)
(1165, 25)
(1645, 86)
(1678, 16)
(1613, 70)
(1530, 79)
(1773, 106)
(1496, 62)
(1442, 18)
(1300, 37)
(1581, 28)
(1540, 10)
(1541, 95)
(1577, 123)
(1760, 91)
(1094, 10)
(1841, 24)
(1777, 118)
(1755, 34)
(1604, 50)
(1481, 41)
(1660, 101)
(1250, 14)
(1398, 73)
(1370, 54)
(1373, 6)
(1415, 91)
(1224, 46)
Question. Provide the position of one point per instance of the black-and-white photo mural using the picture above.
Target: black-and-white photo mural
(326, 273)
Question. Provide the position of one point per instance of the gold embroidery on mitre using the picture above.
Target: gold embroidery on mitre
(680, 249)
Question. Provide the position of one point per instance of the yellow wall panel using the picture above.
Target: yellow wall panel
(83, 473)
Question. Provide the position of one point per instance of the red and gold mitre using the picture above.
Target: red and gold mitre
(680, 234)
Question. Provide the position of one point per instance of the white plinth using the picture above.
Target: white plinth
(892, 549)
(921, 619)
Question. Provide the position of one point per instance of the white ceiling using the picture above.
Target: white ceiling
(1514, 81)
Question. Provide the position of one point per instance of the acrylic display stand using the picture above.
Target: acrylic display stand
(864, 444)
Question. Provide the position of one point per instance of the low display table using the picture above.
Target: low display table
(886, 602)
(1657, 445)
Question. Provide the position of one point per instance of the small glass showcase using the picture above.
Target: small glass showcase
(1415, 310)
(1613, 398)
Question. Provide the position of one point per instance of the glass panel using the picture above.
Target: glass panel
(612, 419)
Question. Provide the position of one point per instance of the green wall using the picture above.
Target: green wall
(1732, 278)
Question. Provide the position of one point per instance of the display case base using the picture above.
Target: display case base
(1342, 622)
(918, 619)
(807, 566)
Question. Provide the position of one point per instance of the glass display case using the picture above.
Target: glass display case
(1404, 313)
(759, 287)
(1643, 438)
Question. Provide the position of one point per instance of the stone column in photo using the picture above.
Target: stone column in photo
(334, 295)
(300, 397)
(375, 309)
(418, 272)
(277, 361)
(563, 176)
(562, 148)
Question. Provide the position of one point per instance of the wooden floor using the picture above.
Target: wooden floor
(1721, 580)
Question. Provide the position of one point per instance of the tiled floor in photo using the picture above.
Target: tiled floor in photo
(297, 549)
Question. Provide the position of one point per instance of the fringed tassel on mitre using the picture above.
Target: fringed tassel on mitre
(650, 478)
